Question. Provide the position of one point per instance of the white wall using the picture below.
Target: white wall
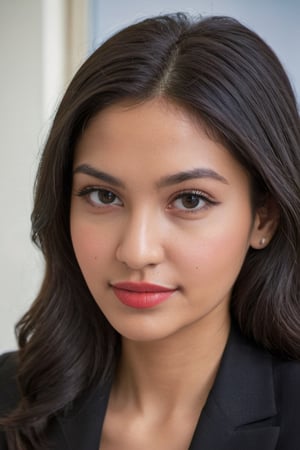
(20, 131)
(39, 51)
(277, 21)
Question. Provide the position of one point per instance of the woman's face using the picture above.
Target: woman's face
(161, 220)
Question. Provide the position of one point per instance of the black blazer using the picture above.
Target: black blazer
(253, 405)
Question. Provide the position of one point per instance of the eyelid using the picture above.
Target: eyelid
(198, 192)
(209, 201)
(81, 192)
(87, 190)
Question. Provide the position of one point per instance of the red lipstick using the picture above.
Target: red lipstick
(141, 295)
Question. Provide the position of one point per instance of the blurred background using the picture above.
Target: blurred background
(42, 43)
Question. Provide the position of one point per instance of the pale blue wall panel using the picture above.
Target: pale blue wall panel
(277, 21)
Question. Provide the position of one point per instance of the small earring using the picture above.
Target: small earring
(262, 241)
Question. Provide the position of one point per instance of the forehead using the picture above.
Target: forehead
(154, 134)
(155, 117)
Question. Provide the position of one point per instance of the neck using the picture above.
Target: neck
(177, 370)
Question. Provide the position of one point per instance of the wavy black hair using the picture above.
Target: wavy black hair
(228, 78)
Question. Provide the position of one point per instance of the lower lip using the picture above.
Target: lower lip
(141, 300)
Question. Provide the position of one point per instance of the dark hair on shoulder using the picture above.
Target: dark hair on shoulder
(229, 79)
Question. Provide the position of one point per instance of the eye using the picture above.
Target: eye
(100, 198)
(104, 197)
(191, 201)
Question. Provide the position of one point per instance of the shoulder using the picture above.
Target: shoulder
(287, 382)
(272, 381)
(287, 377)
(287, 391)
(9, 394)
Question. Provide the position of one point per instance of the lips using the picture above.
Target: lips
(141, 295)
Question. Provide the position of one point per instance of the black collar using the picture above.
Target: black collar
(240, 412)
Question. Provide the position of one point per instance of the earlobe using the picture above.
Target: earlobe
(265, 224)
(263, 242)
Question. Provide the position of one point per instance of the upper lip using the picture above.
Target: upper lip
(141, 287)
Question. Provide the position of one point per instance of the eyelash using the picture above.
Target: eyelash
(87, 191)
(199, 195)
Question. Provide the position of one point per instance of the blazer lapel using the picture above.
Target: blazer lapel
(240, 412)
(81, 428)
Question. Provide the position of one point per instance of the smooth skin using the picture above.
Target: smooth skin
(156, 200)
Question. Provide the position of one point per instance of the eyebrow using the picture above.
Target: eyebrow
(180, 177)
(103, 176)
(168, 180)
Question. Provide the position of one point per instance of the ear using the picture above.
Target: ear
(265, 224)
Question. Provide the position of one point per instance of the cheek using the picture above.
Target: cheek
(216, 253)
(90, 246)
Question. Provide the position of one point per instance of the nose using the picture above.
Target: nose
(141, 242)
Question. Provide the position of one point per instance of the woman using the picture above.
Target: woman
(167, 207)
